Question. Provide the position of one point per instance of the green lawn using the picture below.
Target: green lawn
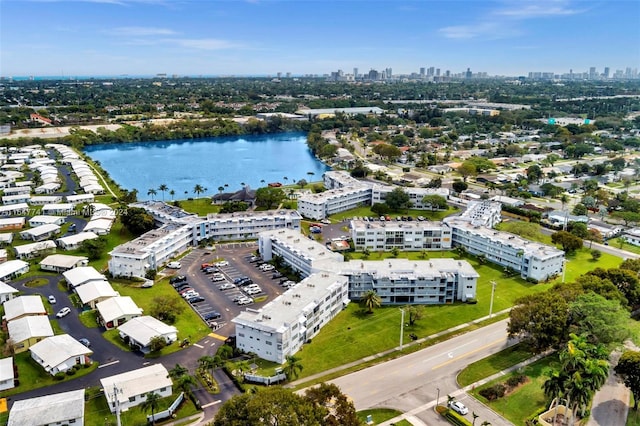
(621, 244)
(493, 364)
(379, 415)
(118, 235)
(32, 376)
(88, 319)
(581, 262)
(527, 399)
(366, 211)
(199, 206)
(188, 323)
(633, 419)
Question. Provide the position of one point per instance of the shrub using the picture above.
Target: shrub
(514, 381)
(472, 301)
(493, 392)
(59, 376)
(71, 372)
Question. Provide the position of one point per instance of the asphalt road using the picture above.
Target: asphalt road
(410, 383)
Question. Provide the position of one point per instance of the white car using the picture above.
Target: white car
(267, 267)
(189, 294)
(52, 299)
(63, 312)
(458, 407)
(222, 263)
(174, 265)
(227, 286)
(244, 301)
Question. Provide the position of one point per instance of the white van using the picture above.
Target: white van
(174, 265)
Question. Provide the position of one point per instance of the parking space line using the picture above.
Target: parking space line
(198, 346)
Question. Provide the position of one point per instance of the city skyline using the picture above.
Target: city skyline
(148, 37)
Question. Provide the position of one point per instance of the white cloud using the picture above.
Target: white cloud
(140, 31)
(485, 30)
(539, 9)
(202, 43)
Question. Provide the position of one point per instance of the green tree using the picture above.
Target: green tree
(137, 220)
(580, 210)
(628, 368)
(398, 200)
(414, 312)
(387, 151)
(459, 186)
(157, 343)
(178, 371)
(94, 248)
(371, 300)
(151, 403)
(569, 242)
(436, 202)
(467, 170)
(596, 254)
(605, 321)
(152, 192)
(292, 367)
(341, 410)
(198, 189)
(534, 173)
(162, 188)
(166, 308)
(269, 197)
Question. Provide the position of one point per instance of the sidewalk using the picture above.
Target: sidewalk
(390, 351)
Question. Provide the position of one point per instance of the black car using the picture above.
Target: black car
(276, 275)
(211, 316)
(246, 281)
(196, 299)
(182, 287)
(177, 279)
(240, 279)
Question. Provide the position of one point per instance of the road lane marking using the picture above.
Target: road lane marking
(502, 339)
(198, 346)
(211, 403)
(109, 363)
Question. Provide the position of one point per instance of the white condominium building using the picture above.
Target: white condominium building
(403, 281)
(482, 213)
(245, 225)
(345, 192)
(282, 326)
(150, 251)
(531, 259)
(301, 253)
(387, 235)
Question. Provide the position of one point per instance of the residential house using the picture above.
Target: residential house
(115, 311)
(80, 275)
(15, 199)
(15, 209)
(23, 306)
(11, 223)
(73, 242)
(40, 233)
(65, 408)
(58, 209)
(62, 262)
(46, 220)
(632, 236)
(80, 199)
(7, 374)
(130, 389)
(138, 332)
(29, 251)
(44, 200)
(26, 331)
(57, 354)
(6, 292)
(12, 269)
(95, 292)
(6, 238)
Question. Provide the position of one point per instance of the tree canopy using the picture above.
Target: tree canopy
(398, 200)
(269, 197)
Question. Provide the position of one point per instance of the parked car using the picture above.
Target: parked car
(246, 281)
(174, 265)
(267, 267)
(239, 280)
(85, 342)
(181, 286)
(177, 279)
(184, 290)
(63, 312)
(205, 266)
(222, 263)
(210, 270)
(252, 291)
(244, 301)
(211, 316)
(190, 294)
(226, 286)
(458, 407)
(147, 284)
(195, 299)
(52, 299)
(276, 274)
(217, 277)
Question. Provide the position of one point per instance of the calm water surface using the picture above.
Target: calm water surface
(209, 162)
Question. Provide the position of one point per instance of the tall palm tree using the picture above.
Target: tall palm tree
(371, 300)
(162, 188)
(553, 388)
(172, 193)
(152, 192)
(151, 404)
(220, 189)
(209, 363)
(475, 416)
(186, 383)
(293, 367)
(198, 189)
(177, 372)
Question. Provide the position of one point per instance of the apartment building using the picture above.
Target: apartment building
(304, 255)
(245, 225)
(405, 236)
(403, 281)
(532, 260)
(282, 326)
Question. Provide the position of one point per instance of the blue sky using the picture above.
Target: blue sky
(214, 37)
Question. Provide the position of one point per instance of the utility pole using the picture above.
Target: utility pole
(116, 391)
(401, 328)
(493, 290)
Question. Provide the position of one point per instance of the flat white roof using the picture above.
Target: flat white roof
(143, 329)
(77, 238)
(82, 274)
(30, 326)
(11, 267)
(397, 268)
(23, 305)
(45, 219)
(94, 290)
(33, 247)
(117, 307)
(62, 260)
(6, 288)
(49, 409)
(136, 382)
(6, 369)
(41, 229)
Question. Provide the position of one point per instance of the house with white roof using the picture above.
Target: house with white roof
(40, 233)
(93, 188)
(73, 242)
(12, 269)
(7, 374)
(15, 209)
(6, 292)
(138, 332)
(94, 292)
(6, 238)
(81, 275)
(46, 220)
(47, 188)
(632, 236)
(23, 306)
(29, 251)
(115, 311)
(58, 209)
(62, 262)
(45, 199)
(11, 223)
(99, 226)
(65, 408)
(133, 386)
(80, 198)
(15, 199)
(26, 331)
(59, 353)
(17, 190)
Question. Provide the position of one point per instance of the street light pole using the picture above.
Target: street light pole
(493, 290)
(438, 398)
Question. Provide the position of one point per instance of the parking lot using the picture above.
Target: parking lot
(225, 281)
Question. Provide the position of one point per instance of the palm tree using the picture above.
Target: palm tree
(293, 367)
(151, 404)
(564, 199)
(186, 383)
(178, 371)
(553, 388)
(162, 188)
(220, 189)
(172, 193)
(198, 189)
(371, 300)
(152, 192)
(475, 416)
(209, 363)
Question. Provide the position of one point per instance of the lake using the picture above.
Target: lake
(209, 162)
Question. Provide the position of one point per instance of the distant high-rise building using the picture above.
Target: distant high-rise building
(355, 72)
(592, 73)
(438, 72)
(431, 71)
(468, 74)
(389, 72)
(374, 75)
(288, 75)
(447, 73)
(422, 71)
(279, 74)
(606, 72)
